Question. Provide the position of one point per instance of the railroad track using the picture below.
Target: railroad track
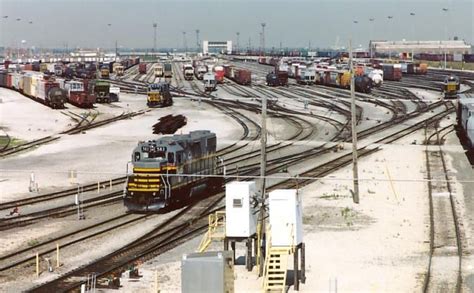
(444, 272)
(77, 129)
(159, 241)
(59, 211)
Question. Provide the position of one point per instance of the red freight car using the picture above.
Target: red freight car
(243, 76)
(78, 93)
(142, 68)
(219, 73)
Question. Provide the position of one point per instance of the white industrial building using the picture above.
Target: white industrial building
(216, 47)
(433, 47)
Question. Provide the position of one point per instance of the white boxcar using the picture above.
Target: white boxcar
(286, 217)
(241, 216)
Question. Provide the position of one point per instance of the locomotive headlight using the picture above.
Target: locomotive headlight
(131, 193)
(154, 193)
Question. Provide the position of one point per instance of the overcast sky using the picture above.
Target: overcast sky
(84, 23)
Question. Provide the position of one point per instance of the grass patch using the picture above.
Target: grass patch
(450, 65)
(14, 142)
(330, 196)
(33, 242)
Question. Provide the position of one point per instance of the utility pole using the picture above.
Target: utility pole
(198, 45)
(355, 172)
(263, 38)
(237, 47)
(116, 50)
(155, 25)
(185, 45)
(263, 164)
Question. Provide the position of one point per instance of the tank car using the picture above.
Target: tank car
(149, 187)
(451, 86)
(158, 95)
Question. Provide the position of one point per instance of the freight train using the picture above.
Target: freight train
(451, 86)
(279, 78)
(158, 95)
(342, 79)
(150, 189)
(465, 117)
(239, 75)
(37, 86)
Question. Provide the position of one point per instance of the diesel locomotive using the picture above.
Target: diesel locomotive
(158, 95)
(171, 170)
(451, 86)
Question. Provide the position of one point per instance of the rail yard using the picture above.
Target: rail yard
(333, 170)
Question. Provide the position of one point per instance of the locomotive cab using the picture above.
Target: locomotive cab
(158, 95)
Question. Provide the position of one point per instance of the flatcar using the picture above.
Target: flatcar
(158, 95)
(149, 187)
(209, 80)
(451, 86)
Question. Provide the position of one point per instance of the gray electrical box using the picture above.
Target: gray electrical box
(207, 272)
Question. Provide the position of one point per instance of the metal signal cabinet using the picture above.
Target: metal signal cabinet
(286, 217)
(208, 272)
(241, 216)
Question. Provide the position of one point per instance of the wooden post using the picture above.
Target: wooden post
(355, 170)
(232, 245)
(157, 287)
(98, 187)
(296, 281)
(248, 257)
(57, 255)
(37, 265)
(303, 264)
(226, 243)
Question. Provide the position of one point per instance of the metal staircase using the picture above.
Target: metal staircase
(215, 231)
(276, 265)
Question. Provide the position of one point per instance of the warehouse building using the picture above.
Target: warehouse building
(432, 47)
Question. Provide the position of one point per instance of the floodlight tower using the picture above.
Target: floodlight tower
(155, 25)
(263, 37)
(198, 45)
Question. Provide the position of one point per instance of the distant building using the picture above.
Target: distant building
(434, 47)
(216, 47)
